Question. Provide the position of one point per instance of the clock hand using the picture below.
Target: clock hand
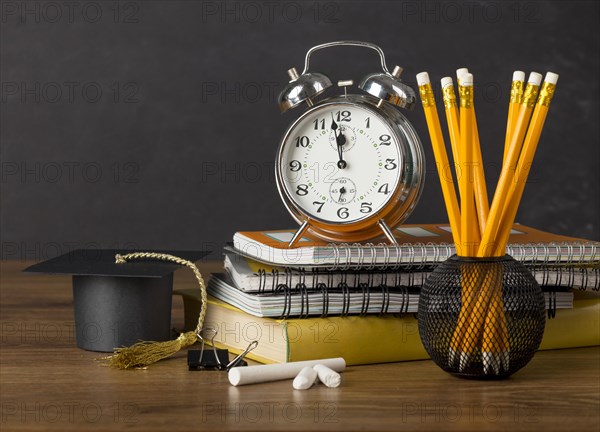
(342, 192)
(340, 140)
(334, 125)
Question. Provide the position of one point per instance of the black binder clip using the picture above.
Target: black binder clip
(216, 359)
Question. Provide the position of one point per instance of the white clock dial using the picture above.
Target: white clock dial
(343, 179)
(342, 190)
(349, 135)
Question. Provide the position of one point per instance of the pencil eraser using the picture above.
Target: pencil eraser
(535, 78)
(519, 76)
(551, 77)
(423, 78)
(446, 81)
(466, 80)
(460, 72)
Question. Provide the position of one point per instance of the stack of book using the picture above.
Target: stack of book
(359, 301)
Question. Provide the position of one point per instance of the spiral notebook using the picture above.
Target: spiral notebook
(419, 246)
(252, 276)
(342, 300)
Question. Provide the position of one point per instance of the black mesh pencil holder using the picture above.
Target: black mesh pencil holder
(481, 317)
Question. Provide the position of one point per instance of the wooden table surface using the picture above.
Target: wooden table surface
(46, 383)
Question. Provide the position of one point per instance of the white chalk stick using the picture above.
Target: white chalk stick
(328, 376)
(275, 372)
(305, 378)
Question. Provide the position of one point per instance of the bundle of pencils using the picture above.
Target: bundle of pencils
(478, 229)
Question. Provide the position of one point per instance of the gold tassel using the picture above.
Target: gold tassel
(145, 353)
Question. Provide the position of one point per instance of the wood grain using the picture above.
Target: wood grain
(49, 384)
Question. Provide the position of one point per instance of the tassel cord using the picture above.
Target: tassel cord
(145, 353)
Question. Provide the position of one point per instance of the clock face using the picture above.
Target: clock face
(340, 163)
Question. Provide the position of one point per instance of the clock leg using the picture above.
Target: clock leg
(299, 233)
(387, 231)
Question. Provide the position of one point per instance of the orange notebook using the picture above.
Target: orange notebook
(419, 245)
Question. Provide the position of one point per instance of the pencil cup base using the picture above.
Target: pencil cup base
(481, 318)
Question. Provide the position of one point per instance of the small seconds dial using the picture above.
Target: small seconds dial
(340, 163)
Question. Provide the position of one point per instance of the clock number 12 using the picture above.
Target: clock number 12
(343, 116)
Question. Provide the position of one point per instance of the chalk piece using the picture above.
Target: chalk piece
(305, 378)
(276, 372)
(328, 376)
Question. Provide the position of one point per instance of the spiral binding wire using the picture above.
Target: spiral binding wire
(551, 304)
(564, 259)
(301, 292)
(568, 261)
(303, 300)
(366, 298)
(325, 293)
(385, 302)
(411, 255)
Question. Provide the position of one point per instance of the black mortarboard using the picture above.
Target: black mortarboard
(117, 305)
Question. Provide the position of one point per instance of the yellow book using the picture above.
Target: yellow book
(577, 327)
(360, 340)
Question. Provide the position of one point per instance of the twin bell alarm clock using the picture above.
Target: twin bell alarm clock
(351, 167)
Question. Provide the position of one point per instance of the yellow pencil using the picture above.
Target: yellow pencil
(480, 287)
(441, 157)
(480, 189)
(468, 293)
(528, 152)
(451, 108)
(495, 344)
(467, 202)
(461, 345)
(516, 97)
(495, 349)
(489, 237)
(481, 196)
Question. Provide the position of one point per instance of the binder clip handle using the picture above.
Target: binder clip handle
(240, 357)
(216, 359)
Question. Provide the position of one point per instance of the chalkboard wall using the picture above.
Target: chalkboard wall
(154, 124)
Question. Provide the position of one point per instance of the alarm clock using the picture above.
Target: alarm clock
(351, 167)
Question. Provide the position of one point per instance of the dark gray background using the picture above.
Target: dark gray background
(177, 151)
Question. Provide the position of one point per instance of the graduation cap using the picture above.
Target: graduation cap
(117, 305)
